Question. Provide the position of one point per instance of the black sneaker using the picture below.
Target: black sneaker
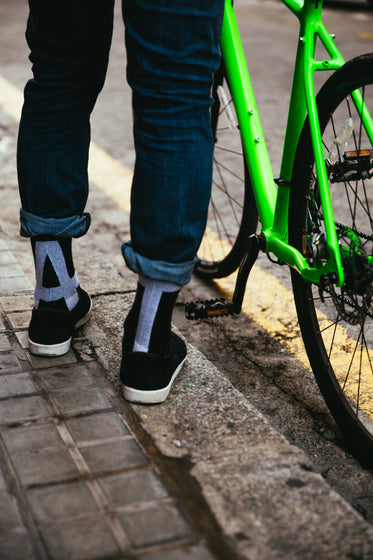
(147, 378)
(51, 330)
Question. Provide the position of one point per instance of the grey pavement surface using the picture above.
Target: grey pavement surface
(204, 476)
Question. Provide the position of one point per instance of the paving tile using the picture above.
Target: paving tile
(17, 284)
(82, 401)
(96, 426)
(41, 362)
(15, 545)
(55, 503)
(2, 325)
(10, 271)
(4, 343)
(9, 362)
(16, 384)
(45, 468)
(9, 515)
(89, 539)
(112, 456)
(23, 409)
(6, 257)
(65, 378)
(22, 337)
(17, 303)
(133, 487)
(20, 320)
(31, 438)
(152, 526)
(186, 553)
(2, 481)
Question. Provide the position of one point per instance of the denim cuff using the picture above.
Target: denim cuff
(177, 273)
(35, 226)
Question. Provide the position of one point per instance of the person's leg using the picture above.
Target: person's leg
(172, 50)
(69, 44)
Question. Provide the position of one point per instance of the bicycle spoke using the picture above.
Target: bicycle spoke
(228, 151)
(223, 188)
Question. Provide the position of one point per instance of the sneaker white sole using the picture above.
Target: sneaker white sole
(53, 350)
(49, 349)
(150, 397)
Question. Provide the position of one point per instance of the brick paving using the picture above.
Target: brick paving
(75, 483)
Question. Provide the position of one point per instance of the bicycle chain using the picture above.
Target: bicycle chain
(359, 233)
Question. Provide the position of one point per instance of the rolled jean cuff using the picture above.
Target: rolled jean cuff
(35, 226)
(177, 273)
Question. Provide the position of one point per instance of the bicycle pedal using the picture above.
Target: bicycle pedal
(209, 308)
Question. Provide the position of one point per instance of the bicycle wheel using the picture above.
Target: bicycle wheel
(337, 323)
(232, 215)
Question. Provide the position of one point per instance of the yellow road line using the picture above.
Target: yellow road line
(366, 36)
(110, 176)
(11, 99)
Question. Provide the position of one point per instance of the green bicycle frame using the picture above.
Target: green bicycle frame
(272, 200)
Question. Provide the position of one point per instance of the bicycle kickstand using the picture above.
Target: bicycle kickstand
(222, 307)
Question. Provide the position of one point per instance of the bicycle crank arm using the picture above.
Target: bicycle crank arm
(222, 307)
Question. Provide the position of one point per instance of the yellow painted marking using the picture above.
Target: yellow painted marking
(109, 175)
(365, 35)
(276, 315)
(11, 99)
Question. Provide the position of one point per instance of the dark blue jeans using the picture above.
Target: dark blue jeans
(172, 51)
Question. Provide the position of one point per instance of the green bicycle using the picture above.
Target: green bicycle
(316, 217)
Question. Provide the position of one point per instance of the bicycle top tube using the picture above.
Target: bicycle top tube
(296, 6)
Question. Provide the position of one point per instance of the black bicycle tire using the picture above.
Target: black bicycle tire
(355, 73)
(223, 267)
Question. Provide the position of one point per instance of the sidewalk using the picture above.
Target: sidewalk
(87, 476)
(76, 481)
